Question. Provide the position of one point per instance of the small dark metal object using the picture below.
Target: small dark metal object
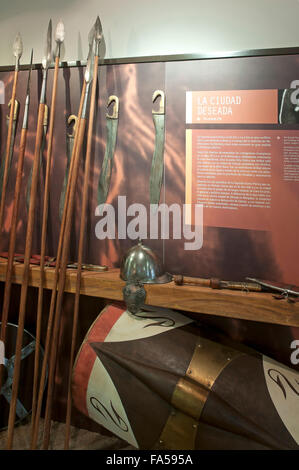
(134, 296)
(89, 267)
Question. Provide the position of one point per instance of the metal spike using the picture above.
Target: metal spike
(47, 59)
(59, 32)
(26, 110)
(29, 76)
(49, 41)
(88, 70)
(18, 46)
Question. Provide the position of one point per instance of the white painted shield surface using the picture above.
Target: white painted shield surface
(105, 406)
(130, 328)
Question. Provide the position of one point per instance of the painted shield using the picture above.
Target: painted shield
(159, 381)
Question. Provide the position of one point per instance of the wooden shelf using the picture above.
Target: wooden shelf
(260, 307)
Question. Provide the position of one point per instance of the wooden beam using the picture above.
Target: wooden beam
(260, 307)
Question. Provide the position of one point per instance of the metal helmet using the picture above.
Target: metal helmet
(140, 263)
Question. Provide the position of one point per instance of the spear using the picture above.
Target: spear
(13, 229)
(62, 251)
(59, 38)
(17, 51)
(29, 236)
(64, 260)
(98, 37)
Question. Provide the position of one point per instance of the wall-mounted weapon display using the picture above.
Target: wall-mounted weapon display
(96, 146)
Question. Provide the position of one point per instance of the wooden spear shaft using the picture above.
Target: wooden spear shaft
(80, 249)
(12, 242)
(13, 228)
(61, 284)
(44, 239)
(25, 278)
(8, 145)
(35, 427)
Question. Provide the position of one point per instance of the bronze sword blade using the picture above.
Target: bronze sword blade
(106, 170)
(158, 156)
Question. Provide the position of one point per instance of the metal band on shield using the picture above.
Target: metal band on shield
(191, 393)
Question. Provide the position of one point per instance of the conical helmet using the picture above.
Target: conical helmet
(140, 263)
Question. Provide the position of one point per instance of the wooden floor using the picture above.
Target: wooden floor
(261, 307)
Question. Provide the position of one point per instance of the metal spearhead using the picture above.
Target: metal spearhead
(46, 62)
(47, 59)
(59, 32)
(59, 35)
(18, 49)
(98, 35)
(88, 70)
(29, 75)
(26, 111)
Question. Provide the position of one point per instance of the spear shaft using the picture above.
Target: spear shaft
(28, 247)
(82, 234)
(13, 229)
(12, 143)
(62, 274)
(75, 155)
(25, 278)
(45, 225)
(68, 209)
